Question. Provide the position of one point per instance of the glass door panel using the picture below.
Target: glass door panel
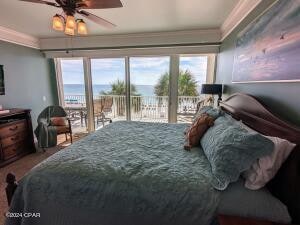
(109, 90)
(74, 99)
(149, 90)
(192, 74)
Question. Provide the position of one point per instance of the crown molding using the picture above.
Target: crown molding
(239, 12)
(19, 38)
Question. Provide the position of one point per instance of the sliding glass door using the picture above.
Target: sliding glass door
(98, 91)
(192, 74)
(109, 90)
(72, 88)
(149, 89)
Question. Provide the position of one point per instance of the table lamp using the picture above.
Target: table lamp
(213, 89)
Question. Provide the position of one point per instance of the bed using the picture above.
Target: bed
(138, 173)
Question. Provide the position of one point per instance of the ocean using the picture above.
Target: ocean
(78, 89)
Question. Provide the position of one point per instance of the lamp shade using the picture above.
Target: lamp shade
(57, 23)
(69, 31)
(70, 22)
(213, 89)
(81, 27)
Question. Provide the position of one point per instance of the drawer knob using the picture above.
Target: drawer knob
(12, 129)
(14, 138)
(14, 149)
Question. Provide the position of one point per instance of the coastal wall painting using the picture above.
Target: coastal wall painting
(268, 49)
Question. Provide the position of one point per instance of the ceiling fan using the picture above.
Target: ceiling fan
(68, 23)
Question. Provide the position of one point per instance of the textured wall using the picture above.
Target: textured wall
(28, 79)
(282, 98)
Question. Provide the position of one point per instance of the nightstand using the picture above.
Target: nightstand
(234, 220)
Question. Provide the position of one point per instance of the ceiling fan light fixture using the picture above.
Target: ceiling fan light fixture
(57, 23)
(69, 31)
(70, 22)
(81, 27)
(65, 22)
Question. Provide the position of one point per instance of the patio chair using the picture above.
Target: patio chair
(52, 121)
(102, 107)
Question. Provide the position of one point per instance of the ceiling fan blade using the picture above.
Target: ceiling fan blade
(61, 2)
(41, 2)
(98, 4)
(96, 19)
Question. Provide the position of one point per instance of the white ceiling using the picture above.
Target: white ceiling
(136, 16)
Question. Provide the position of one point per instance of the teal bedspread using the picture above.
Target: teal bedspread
(125, 174)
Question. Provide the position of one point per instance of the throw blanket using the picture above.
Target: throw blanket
(126, 173)
(46, 134)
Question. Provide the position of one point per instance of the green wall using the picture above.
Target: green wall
(28, 78)
(282, 98)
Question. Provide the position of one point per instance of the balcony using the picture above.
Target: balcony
(143, 108)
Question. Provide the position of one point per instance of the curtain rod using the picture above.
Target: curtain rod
(133, 47)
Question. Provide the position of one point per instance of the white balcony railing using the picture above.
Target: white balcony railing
(142, 107)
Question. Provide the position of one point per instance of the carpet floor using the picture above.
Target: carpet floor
(25, 164)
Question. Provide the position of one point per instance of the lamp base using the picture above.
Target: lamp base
(219, 99)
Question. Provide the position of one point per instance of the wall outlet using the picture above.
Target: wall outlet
(44, 98)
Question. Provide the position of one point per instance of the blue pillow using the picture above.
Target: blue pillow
(231, 149)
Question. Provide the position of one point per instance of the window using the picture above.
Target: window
(149, 89)
(73, 89)
(98, 91)
(192, 74)
(109, 90)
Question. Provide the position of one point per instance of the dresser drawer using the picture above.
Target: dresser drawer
(13, 128)
(5, 142)
(13, 150)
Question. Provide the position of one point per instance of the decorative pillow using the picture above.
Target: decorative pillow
(231, 150)
(58, 121)
(197, 130)
(266, 167)
(213, 112)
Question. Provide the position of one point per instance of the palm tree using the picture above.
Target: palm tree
(119, 88)
(187, 85)
(162, 86)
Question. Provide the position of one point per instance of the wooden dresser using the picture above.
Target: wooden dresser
(16, 135)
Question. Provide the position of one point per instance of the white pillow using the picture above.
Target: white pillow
(265, 168)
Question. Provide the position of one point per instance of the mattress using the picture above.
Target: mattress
(126, 173)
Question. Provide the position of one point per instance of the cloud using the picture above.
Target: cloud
(149, 62)
(107, 64)
(196, 65)
(143, 70)
(72, 71)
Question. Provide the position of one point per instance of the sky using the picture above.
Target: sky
(143, 70)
